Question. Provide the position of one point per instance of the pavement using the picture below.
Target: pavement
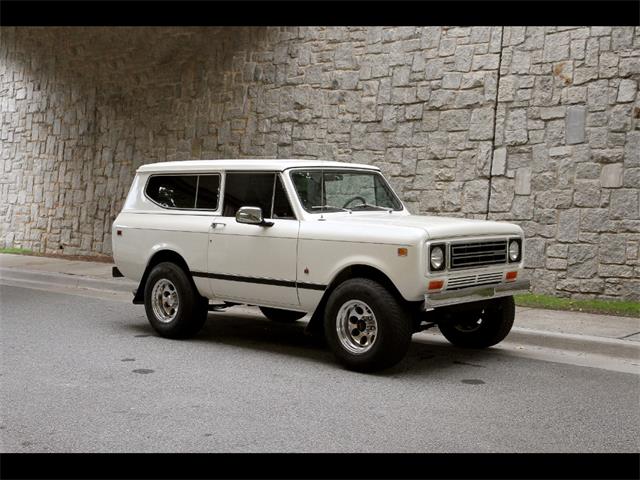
(82, 371)
(87, 374)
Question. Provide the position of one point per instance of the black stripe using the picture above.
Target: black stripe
(311, 286)
(263, 281)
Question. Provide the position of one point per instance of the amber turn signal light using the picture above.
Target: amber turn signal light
(436, 284)
(511, 276)
(403, 252)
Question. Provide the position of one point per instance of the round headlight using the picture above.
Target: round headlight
(514, 250)
(437, 258)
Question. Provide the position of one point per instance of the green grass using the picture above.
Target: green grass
(608, 307)
(23, 251)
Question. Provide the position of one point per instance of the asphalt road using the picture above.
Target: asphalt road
(85, 374)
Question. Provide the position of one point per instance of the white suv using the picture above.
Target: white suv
(326, 238)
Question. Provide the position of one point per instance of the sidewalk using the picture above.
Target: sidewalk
(62, 272)
(549, 328)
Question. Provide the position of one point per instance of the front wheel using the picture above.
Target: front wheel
(281, 316)
(174, 308)
(366, 327)
(482, 327)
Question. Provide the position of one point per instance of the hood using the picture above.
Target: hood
(435, 226)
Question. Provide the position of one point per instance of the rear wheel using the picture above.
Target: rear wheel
(281, 316)
(483, 327)
(174, 307)
(366, 327)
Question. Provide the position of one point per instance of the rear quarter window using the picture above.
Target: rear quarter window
(173, 191)
(192, 192)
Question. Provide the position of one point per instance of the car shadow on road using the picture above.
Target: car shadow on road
(427, 353)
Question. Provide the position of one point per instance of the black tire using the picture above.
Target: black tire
(191, 311)
(281, 316)
(483, 327)
(392, 334)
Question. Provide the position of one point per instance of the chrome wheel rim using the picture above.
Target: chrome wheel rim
(356, 326)
(164, 300)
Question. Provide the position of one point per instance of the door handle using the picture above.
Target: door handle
(215, 224)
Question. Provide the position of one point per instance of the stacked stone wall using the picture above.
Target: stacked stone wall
(534, 125)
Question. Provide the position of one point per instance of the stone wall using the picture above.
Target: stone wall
(535, 125)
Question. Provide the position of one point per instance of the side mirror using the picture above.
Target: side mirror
(251, 216)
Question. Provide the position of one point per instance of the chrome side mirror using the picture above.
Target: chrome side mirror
(251, 216)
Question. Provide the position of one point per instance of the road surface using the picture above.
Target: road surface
(86, 374)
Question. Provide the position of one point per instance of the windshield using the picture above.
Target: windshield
(337, 190)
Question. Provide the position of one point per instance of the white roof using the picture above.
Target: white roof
(245, 164)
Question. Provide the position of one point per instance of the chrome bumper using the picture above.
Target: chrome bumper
(474, 294)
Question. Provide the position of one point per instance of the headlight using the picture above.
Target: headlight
(514, 250)
(437, 258)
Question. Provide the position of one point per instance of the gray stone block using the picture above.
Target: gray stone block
(582, 261)
(474, 196)
(499, 161)
(568, 225)
(534, 252)
(558, 250)
(481, 127)
(612, 175)
(455, 120)
(575, 123)
(625, 204)
(612, 249)
(523, 181)
(627, 90)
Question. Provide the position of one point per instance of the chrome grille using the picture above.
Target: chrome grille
(474, 280)
(478, 254)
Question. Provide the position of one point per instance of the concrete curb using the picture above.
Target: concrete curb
(67, 280)
(610, 347)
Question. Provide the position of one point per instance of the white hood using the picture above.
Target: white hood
(435, 226)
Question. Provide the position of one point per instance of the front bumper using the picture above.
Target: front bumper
(474, 294)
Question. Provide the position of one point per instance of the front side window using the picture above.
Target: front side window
(335, 190)
(248, 190)
(256, 189)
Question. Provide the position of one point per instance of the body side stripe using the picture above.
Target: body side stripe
(263, 281)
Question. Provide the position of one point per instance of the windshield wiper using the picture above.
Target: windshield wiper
(323, 207)
(369, 205)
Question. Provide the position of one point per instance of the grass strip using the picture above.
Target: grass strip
(23, 251)
(625, 308)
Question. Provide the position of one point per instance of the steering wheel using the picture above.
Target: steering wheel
(357, 197)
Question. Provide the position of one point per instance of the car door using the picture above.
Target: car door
(254, 264)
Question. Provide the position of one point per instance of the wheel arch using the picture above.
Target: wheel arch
(159, 256)
(356, 270)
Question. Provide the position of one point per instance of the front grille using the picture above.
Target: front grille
(474, 280)
(478, 254)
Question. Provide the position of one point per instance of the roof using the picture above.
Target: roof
(245, 164)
